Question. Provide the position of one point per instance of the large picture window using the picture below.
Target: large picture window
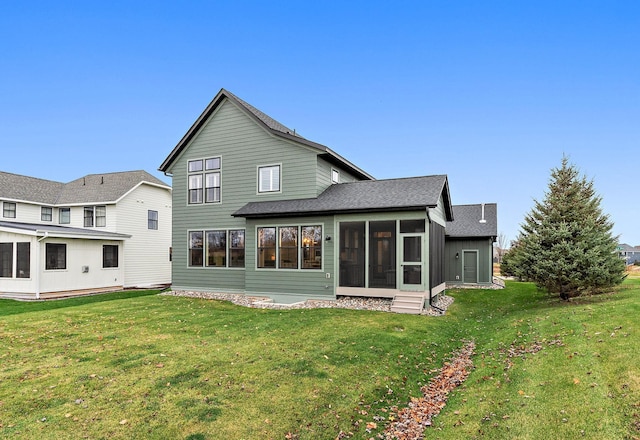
(269, 178)
(297, 247)
(109, 256)
(6, 260)
(55, 256)
(217, 248)
(196, 249)
(204, 180)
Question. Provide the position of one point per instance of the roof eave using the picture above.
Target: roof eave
(330, 212)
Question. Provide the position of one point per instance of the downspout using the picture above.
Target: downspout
(38, 260)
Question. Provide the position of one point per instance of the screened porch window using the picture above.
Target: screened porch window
(382, 254)
(352, 254)
(6, 260)
(23, 260)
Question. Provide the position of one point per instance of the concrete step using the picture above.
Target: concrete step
(407, 303)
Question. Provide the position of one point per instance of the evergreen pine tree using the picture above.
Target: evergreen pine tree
(565, 245)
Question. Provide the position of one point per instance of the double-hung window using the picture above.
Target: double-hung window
(95, 215)
(88, 216)
(152, 219)
(204, 180)
(46, 214)
(269, 178)
(9, 210)
(64, 216)
(101, 216)
(22, 260)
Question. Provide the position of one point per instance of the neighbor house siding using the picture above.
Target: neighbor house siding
(14, 284)
(291, 283)
(453, 265)
(25, 213)
(243, 146)
(140, 269)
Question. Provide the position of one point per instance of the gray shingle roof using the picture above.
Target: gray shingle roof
(93, 188)
(17, 187)
(274, 127)
(467, 218)
(101, 188)
(362, 196)
(56, 230)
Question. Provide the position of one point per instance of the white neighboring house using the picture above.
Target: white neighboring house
(97, 233)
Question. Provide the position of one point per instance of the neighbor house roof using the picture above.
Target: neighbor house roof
(92, 188)
(17, 187)
(468, 222)
(60, 231)
(271, 125)
(363, 196)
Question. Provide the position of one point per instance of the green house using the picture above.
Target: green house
(262, 211)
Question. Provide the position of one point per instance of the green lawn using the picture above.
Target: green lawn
(140, 365)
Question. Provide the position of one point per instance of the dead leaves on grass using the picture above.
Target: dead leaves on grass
(410, 422)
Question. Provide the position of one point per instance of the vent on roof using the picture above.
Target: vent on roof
(482, 220)
(101, 180)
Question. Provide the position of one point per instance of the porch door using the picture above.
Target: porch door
(412, 263)
(470, 266)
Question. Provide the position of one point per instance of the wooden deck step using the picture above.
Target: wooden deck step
(408, 303)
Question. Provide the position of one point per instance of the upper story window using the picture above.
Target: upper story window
(95, 215)
(64, 215)
(335, 176)
(152, 219)
(204, 180)
(46, 214)
(269, 178)
(9, 210)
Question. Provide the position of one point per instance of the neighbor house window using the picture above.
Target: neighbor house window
(267, 247)
(311, 247)
(23, 260)
(196, 249)
(9, 210)
(288, 251)
(293, 242)
(6, 260)
(109, 255)
(335, 176)
(269, 178)
(46, 214)
(217, 248)
(55, 256)
(152, 219)
(204, 180)
(88, 216)
(101, 216)
(236, 248)
(64, 216)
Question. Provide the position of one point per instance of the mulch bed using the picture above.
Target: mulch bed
(410, 422)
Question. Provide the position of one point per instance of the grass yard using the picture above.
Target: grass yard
(140, 365)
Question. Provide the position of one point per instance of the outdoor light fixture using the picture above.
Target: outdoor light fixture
(457, 255)
(328, 238)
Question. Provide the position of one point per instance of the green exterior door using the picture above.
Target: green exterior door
(470, 266)
(412, 262)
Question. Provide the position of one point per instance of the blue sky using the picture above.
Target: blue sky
(491, 93)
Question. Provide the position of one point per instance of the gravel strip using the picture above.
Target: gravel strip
(342, 302)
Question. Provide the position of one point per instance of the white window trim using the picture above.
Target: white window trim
(258, 192)
(334, 170)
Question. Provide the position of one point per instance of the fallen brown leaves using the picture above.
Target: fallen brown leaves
(410, 422)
